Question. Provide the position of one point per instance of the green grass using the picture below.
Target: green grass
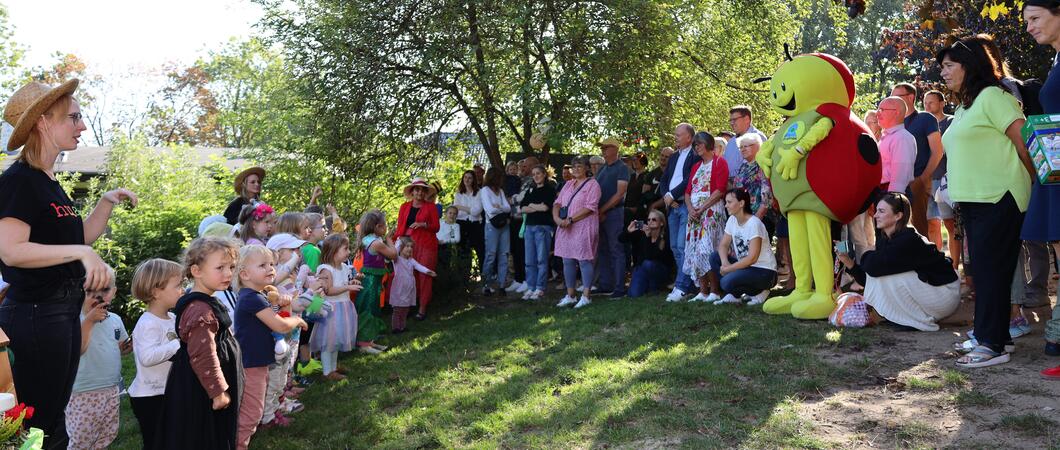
(972, 398)
(913, 434)
(1029, 424)
(632, 373)
(921, 384)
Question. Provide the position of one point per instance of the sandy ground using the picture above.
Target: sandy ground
(908, 394)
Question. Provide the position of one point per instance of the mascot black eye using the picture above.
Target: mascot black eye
(783, 87)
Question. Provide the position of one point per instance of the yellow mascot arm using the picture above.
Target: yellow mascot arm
(764, 158)
(791, 156)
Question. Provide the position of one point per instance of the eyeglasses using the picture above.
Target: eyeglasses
(652, 219)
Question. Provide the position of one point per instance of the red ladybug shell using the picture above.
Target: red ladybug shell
(844, 168)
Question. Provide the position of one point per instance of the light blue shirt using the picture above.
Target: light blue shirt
(732, 152)
(100, 365)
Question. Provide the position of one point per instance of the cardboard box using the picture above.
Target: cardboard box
(1042, 136)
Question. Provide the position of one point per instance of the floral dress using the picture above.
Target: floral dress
(703, 233)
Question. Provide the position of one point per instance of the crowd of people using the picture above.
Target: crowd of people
(262, 299)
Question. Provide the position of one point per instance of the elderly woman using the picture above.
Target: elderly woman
(248, 192)
(45, 253)
(907, 279)
(873, 122)
(574, 212)
(708, 180)
(596, 162)
(992, 187)
(749, 177)
(418, 219)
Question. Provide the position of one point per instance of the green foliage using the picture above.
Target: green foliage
(11, 54)
(175, 194)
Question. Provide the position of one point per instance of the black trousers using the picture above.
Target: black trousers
(148, 412)
(473, 237)
(993, 231)
(518, 250)
(46, 341)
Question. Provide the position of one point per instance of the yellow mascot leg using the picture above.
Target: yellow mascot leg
(800, 265)
(819, 240)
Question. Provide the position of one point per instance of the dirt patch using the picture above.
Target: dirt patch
(910, 394)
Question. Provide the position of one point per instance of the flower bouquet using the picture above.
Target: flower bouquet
(13, 436)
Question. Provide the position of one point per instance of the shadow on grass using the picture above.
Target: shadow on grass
(630, 373)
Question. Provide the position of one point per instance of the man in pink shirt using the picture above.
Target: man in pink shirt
(897, 147)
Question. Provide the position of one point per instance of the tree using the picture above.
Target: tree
(11, 54)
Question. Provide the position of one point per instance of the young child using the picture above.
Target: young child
(338, 331)
(201, 406)
(310, 260)
(159, 283)
(403, 288)
(255, 224)
(285, 246)
(92, 413)
(256, 321)
(375, 249)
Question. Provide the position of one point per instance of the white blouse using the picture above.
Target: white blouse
(449, 233)
(154, 342)
(493, 204)
(470, 201)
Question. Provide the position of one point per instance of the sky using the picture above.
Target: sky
(126, 36)
(118, 34)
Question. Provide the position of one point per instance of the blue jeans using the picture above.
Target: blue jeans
(570, 272)
(611, 254)
(537, 241)
(46, 340)
(746, 281)
(677, 222)
(497, 246)
(648, 277)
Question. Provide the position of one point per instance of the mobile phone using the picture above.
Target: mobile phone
(842, 247)
(640, 224)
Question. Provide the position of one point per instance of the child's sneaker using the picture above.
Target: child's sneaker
(675, 295)
(294, 406)
(713, 299)
(566, 301)
(368, 350)
(583, 302)
(698, 298)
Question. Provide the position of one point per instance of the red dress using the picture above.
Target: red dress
(426, 249)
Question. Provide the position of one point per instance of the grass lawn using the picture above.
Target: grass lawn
(621, 373)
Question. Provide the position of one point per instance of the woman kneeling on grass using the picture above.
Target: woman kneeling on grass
(907, 279)
(748, 274)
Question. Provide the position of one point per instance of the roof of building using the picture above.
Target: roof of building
(90, 161)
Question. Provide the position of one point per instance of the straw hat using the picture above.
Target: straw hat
(419, 182)
(28, 104)
(610, 141)
(246, 173)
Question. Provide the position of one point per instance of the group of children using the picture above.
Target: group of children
(228, 335)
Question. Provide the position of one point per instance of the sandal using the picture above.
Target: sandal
(982, 357)
(971, 344)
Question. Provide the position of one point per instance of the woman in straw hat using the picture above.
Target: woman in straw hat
(45, 252)
(418, 219)
(248, 192)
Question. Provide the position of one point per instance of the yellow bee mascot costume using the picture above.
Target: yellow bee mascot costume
(824, 166)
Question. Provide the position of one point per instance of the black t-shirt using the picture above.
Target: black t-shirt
(411, 218)
(545, 194)
(233, 210)
(27, 194)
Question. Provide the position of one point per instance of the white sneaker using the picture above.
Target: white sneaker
(713, 299)
(728, 299)
(583, 302)
(698, 298)
(523, 287)
(527, 294)
(566, 301)
(759, 299)
(512, 287)
(675, 295)
(537, 294)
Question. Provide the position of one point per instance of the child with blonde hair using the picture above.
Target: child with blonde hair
(159, 284)
(201, 406)
(256, 322)
(92, 413)
(403, 288)
(338, 331)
